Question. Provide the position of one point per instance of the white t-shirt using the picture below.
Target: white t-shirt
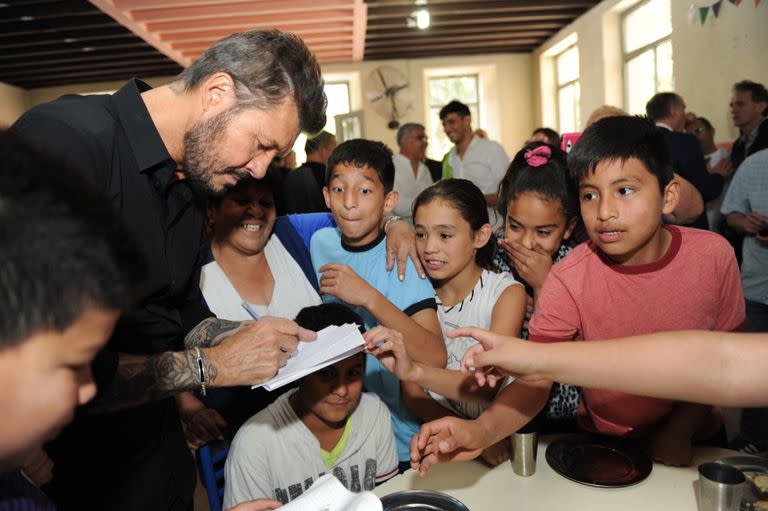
(484, 163)
(274, 455)
(408, 185)
(292, 291)
(475, 310)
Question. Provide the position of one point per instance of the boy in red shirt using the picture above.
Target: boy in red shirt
(635, 276)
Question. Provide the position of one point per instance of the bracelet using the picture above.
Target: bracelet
(201, 371)
(389, 220)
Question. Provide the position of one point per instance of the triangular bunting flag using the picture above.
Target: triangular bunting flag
(716, 7)
(757, 3)
(735, 2)
(703, 11)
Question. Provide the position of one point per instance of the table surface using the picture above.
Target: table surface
(482, 488)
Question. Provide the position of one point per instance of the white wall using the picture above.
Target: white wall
(13, 103)
(708, 59)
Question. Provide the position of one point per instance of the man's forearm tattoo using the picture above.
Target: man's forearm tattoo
(140, 379)
(210, 332)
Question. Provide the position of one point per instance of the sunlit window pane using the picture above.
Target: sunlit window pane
(648, 23)
(641, 82)
(665, 81)
(568, 66)
(567, 103)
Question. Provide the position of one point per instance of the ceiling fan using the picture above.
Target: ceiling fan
(388, 92)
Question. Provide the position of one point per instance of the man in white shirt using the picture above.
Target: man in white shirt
(481, 160)
(411, 174)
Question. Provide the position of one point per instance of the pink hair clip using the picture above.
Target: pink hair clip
(538, 156)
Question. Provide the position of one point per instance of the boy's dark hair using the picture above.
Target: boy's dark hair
(322, 139)
(758, 91)
(360, 152)
(454, 107)
(469, 201)
(549, 181)
(320, 316)
(619, 139)
(64, 249)
(660, 105)
(271, 180)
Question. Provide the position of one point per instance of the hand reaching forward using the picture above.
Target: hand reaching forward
(387, 345)
(446, 439)
(496, 356)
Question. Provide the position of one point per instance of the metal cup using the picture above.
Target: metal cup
(720, 487)
(524, 447)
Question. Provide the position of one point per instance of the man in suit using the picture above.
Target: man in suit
(303, 188)
(667, 110)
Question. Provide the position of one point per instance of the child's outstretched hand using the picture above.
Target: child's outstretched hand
(342, 282)
(387, 345)
(497, 356)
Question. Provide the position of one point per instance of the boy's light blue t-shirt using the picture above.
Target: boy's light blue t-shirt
(410, 295)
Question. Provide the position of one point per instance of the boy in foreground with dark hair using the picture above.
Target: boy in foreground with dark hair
(635, 276)
(350, 262)
(326, 424)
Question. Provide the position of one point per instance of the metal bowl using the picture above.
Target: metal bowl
(421, 500)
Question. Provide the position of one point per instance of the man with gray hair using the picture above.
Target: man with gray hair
(411, 174)
(157, 153)
(303, 188)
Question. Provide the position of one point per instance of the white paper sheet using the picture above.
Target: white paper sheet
(333, 343)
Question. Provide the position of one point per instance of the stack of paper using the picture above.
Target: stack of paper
(328, 494)
(333, 344)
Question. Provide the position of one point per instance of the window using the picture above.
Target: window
(646, 31)
(442, 90)
(568, 90)
(338, 103)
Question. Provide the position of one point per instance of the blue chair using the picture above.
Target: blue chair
(212, 469)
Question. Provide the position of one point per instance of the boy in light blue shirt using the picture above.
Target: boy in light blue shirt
(350, 261)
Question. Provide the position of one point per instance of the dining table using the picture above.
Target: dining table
(480, 487)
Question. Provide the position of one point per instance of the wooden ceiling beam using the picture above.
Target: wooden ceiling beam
(421, 42)
(375, 33)
(22, 62)
(470, 10)
(470, 22)
(253, 22)
(405, 50)
(281, 10)
(219, 32)
(426, 36)
(309, 41)
(442, 53)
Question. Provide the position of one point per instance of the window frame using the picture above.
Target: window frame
(559, 87)
(652, 46)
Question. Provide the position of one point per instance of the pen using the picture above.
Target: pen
(249, 310)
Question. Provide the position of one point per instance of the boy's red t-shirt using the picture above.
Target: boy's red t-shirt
(694, 286)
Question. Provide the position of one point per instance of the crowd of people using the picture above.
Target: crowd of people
(162, 248)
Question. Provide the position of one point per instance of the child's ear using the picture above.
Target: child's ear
(569, 227)
(482, 235)
(327, 197)
(390, 201)
(671, 196)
